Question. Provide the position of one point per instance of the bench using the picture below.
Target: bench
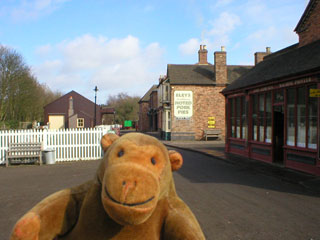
(24, 153)
(212, 133)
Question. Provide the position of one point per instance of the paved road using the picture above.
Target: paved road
(231, 202)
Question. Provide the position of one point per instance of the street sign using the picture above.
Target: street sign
(314, 93)
(211, 122)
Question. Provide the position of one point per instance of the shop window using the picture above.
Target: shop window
(255, 117)
(262, 117)
(243, 118)
(232, 118)
(278, 96)
(80, 122)
(291, 117)
(302, 112)
(312, 121)
(301, 117)
(238, 122)
(268, 117)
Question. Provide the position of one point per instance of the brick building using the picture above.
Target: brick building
(273, 111)
(190, 94)
(73, 110)
(146, 111)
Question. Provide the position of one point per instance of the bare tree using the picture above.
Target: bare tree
(126, 106)
(22, 98)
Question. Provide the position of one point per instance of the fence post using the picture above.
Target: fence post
(44, 138)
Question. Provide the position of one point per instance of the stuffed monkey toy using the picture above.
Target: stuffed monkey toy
(132, 196)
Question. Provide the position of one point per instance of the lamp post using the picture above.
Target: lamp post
(95, 105)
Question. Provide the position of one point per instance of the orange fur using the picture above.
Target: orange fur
(132, 197)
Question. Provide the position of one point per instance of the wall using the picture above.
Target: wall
(312, 33)
(143, 124)
(207, 102)
(81, 105)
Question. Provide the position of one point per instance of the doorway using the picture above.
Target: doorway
(278, 134)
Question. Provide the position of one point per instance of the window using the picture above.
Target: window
(312, 121)
(169, 120)
(238, 122)
(80, 122)
(291, 117)
(262, 117)
(302, 113)
(301, 117)
(268, 118)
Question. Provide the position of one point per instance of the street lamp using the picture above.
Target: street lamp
(95, 105)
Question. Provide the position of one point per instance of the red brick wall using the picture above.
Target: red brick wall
(154, 100)
(143, 124)
(207, 102)
(312, 33)
(220, 67)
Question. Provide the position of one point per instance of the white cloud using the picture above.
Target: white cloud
(33, 9)
(190, 47)
(114, 65)
(276, 38)
(224, 24)
(221, 3)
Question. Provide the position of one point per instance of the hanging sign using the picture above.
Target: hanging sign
(183, 104)
(314, 92)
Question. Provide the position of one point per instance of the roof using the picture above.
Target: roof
(301, 26)
(291, 61)
(72, 94)
(146, 97)
(184, 74)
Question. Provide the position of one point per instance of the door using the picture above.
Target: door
(278, 134)
(56, 121)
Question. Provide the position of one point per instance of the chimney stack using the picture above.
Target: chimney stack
(70, 110)
(203, 52)
(258, 56)
(220, 66)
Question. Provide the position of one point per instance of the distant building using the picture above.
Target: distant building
(273, 111)
(72, 110)
(189, 98)
(146, 111)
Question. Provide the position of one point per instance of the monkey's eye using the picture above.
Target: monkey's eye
(153, 161)
(120, 153)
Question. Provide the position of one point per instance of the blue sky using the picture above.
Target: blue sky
(124, 45)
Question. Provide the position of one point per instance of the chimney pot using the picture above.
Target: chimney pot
(268, 49)
(223, 48)
(204, 47)
(200, 47)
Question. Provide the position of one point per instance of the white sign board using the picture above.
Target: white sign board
(183, 104)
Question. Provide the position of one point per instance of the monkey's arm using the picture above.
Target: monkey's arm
(181, 223)
(54, 215)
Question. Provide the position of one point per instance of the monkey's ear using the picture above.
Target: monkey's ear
(107, 140)
(175, 159)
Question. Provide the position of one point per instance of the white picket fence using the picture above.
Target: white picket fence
(68, 144)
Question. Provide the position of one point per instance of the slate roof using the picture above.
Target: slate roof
(184, 74)
(146, 97)
(288, 62)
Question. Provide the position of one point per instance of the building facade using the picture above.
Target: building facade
(273, 111)
(190, 96)
(146, 113)
(73, 110)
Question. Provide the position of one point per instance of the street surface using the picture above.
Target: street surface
(231, 202)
